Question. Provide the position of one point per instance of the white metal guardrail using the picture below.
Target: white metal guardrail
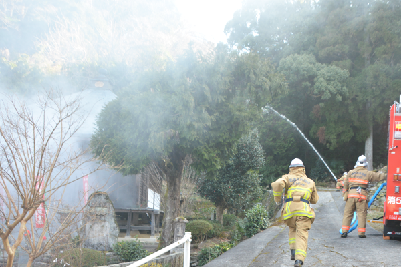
(186, 240)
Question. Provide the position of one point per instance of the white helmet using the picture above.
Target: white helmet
(296, 163)
(345, 173)
(361, 161)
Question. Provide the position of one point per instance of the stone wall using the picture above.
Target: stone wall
(100, 231)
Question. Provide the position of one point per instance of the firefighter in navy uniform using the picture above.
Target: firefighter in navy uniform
(356, 195)
(297, 213)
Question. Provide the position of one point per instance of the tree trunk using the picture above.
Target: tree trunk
(9, 250)
(173, 171)
(219, 214)
(172, 208)
(369, 148)
(30, 261)
(10, 259)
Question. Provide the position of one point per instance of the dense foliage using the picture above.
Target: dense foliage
(195, 106)
(199, 229)
(130, 250)
(237, 185)
(200, 208)
(342, 63)
(238, 234)
(256, 220)
(229, 220)
(81, 257)
(210, 253)
(217, 231)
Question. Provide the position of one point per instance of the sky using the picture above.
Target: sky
(208, 17)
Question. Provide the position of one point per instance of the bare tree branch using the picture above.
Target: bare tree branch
(38, 160)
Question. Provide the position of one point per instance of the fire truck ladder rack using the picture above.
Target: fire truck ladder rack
(354, 222)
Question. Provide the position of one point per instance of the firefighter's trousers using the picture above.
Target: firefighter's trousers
(361, 206)
(298, 235)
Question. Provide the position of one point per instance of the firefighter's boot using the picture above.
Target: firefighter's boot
(344, 235)
(298, 263)
(293, 254)
(362, 235)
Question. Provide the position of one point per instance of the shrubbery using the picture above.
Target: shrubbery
(81, 257)
(238, 234)
(256, 220)
(272, 207)
(210, 253)
(199, 229)
(130, 250)
(201, 208)
(217, 230)
(153, 264)
(229, 220)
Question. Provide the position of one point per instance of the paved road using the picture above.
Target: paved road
(325, 247)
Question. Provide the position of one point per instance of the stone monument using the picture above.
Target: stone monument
(100, 229)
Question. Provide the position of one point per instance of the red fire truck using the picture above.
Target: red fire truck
(392, 205)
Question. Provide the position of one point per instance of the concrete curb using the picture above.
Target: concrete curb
(245, 252)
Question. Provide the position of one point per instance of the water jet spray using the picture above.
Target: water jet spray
(302, 134)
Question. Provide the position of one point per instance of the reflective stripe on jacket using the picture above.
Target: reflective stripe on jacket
(361, 177)
(357, 196)
(297, 186)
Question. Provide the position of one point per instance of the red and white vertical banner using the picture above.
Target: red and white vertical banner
(2, 204)
(40, 214)
(86, 188)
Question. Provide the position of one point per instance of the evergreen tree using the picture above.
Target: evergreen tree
(316, 45)
(237, 184)
(195, 106)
